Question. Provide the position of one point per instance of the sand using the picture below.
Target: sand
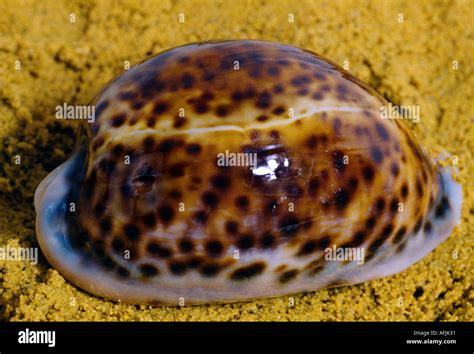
(410, 62)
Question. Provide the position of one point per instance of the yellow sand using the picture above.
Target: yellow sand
(410, 62)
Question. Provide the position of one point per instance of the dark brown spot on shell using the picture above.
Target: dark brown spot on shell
(399, 235)
(158, 250)
(193, 149)
(210, 199)
(137, 105)
(357, 239)
(307, 248)
(245, 242)
(177, 267)
(287, 276)
(267, 240)
(317, 96)
(131, 231)
(312, 142)
(442, 207)
(148, 144)
(149, 220)
(289, 225)
(166, 213)
(325, 88)
(274, 135)
(160, 107)
(395, 169)
(238, 95)
(404, 191)
(232, 227)
(368, 173)
(337, 124)
(248, 272)
(379, 205)
(118, 120)
(370, 223)
(302, 92)
(278, 88)
(394, 205)
(122, 272)
(100, 107)
(223, 110)
(151, 122)
(419, 187)
(312, 246)
(167, 145)
(210, 270)
(264, 100)
(293, 190)
(105, 225)
(242, 203)
(117, 150)
(208, 76)
(428, 227)
(186, 245)
(187, 80)
(313, 185)
(386, 232)
(301, 80)
(149, 270)
(184, 60)
(382, 132)
(319, 76)
(179, 122)
(214, 248)
(273, 71)
(201, 216)
(376, 154)
(201, 107)
(418, 225)
(341, 198)
(279, 110)
(127, 95)
(255, 135)
(177, 169)
(221, 182)
(353, 183)
(118, 245)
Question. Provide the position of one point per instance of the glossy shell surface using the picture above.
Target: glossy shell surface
(224, 171)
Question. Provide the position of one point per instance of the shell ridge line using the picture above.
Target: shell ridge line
(273, 123)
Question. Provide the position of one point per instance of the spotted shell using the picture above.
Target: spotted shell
(143, 212)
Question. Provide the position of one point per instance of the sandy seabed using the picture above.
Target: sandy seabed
(426, 59)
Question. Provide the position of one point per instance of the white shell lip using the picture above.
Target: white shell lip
(50, 205)
(51, 229)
